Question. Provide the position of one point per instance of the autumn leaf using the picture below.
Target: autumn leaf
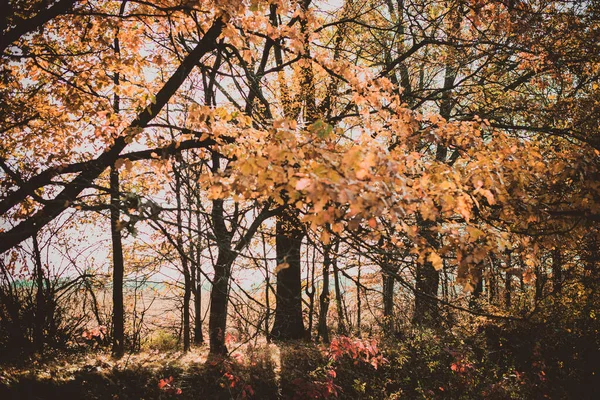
(303, 183)
(281, 267)
(435, 260)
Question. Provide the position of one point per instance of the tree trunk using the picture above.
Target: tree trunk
(358, 302)
(556, 270)
(388, 301)
(198, 337)
(219, 298)
(288, 311)
(426, 311)
(310, 292)
(183, 255)
(219, 295)
(477, 289)
(40, 312)
(539, 283)
(323, 331)
(118, 346)
(338, 297)
(492, 282)
(508, 285)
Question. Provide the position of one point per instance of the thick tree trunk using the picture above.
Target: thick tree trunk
(539, 283)
(477, 289)
(288, 311)
(219, 299)
(591, 263)
(426, 311)
(118, 345)
(556, 270)
(388, 301)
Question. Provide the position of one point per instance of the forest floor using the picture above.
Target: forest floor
(423, 365)
(259, 372)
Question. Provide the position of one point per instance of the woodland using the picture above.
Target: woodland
(299, 199)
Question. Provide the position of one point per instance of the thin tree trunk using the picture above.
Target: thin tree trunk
(310, 292)
(492, 281)
(187, 284)
(358, 301)
(338, 296)
(508, 284)
(118, 347)
(40, 312)
(323, 331)
(198, 337)
(557, 270)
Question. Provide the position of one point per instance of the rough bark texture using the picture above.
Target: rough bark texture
(388, 302)
(288, 312)
(426, 311)
(219, 295)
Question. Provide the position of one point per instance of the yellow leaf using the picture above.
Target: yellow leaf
(436, 260)
(281, 267)
(337, 227)
(325, 237)
(215, 192)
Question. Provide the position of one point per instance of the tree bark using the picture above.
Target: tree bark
(508, 284)
(338, 297)
(219, 299)
(358, 301)
(556, 270)
(33, 224)
(288, 311)
(198, 337)
(426, 311)
(324, 301)
(40, 311)
(187, 281)
(388, 302)
(118, 346)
